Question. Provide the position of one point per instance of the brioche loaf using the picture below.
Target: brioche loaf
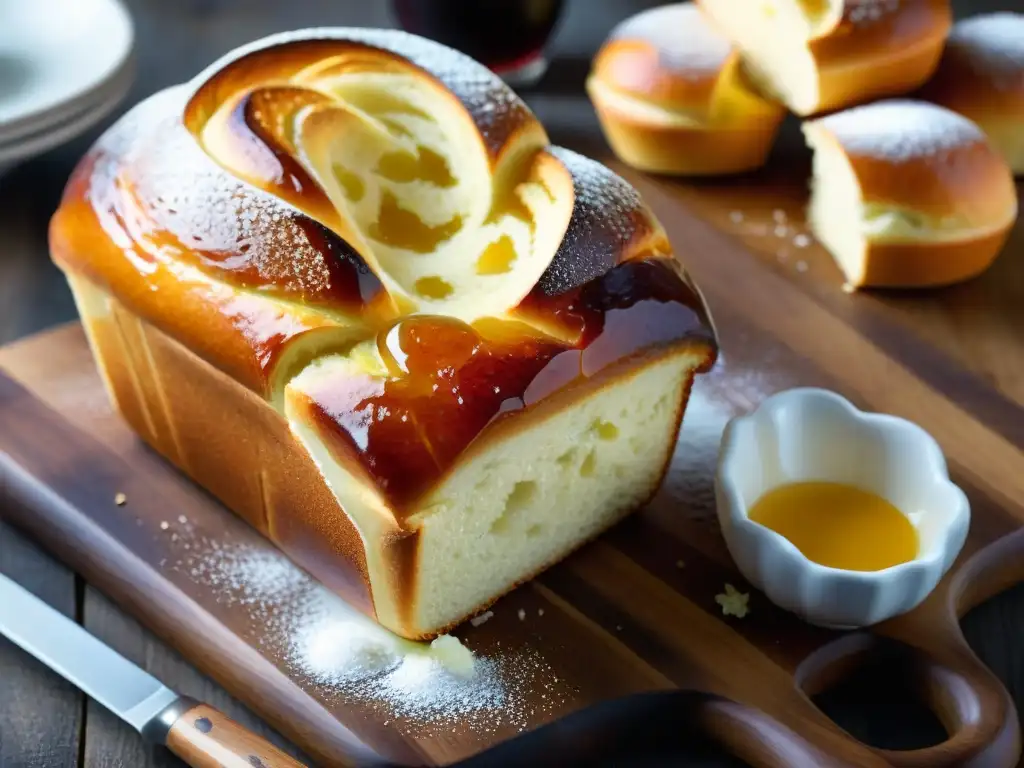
(822, 55)
(344, 282)
(671, 96)
(908, 194)
(981, 76)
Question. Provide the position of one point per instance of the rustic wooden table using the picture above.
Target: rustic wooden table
(45, 722)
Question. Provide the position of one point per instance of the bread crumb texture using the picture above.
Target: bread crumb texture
(733, 602)
(900, 130)
(992, 44)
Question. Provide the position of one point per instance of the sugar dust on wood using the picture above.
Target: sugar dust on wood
(338, 655)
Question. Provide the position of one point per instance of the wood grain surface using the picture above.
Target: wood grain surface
(639, 603)
(45, 723)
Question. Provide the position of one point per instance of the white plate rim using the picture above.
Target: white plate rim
(74, 126)
(38, 115)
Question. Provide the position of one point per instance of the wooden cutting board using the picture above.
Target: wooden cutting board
(634, 611)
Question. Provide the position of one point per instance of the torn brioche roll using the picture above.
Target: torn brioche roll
(822, 55)
(908, 194)
(671, 97)
(981, 76)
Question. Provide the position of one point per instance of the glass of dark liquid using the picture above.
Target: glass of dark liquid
(507, 36)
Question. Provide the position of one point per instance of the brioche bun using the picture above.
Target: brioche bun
(908, 194)
(822, 55)
(671, 98)
(981, 76)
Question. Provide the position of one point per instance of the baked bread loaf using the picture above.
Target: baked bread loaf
(671, 97)
(908, 194)
(981, 76)
(344, 282)
(822, 55)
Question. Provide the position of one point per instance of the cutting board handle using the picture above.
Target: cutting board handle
(975, 709)
(970, 701)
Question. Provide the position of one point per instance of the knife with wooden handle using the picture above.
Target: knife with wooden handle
(195, 732)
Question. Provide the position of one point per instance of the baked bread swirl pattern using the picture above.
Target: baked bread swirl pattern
(343, 280)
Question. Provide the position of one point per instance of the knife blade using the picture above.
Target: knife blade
(199, 734)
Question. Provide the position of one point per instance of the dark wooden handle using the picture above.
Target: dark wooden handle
(976, 711)
(206, 738)
(971, 702)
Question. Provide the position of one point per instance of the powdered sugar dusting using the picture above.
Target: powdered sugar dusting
(340, 655)
(685, 41)
(153, 176)
(862, 13)
(605, 217)
(900, 130)
(993, 46)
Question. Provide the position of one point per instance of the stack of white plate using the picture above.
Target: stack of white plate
(64, 65)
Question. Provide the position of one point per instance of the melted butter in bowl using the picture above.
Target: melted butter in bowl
(838, 525)
(844, 517)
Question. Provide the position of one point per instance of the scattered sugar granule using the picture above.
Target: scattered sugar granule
(334, 652)
(733, 602)
(540, 611)
(900, 130)
(992, 45)
(801, 266)
(476, 621)
(182, 519)
(680, 564)
(120, 499)
(736, 217)
(781, 230)
(522, 614)
(801, 240)
(618, 627)
(779, 216)
(164, 525)
(864, 12)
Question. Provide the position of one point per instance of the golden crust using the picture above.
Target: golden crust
(966, 182)
(671, 97)
(930, 264)
(981, 76)
(686, 150)
(862, 57)
(869, 49)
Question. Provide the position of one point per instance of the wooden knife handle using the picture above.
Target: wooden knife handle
(206, 738)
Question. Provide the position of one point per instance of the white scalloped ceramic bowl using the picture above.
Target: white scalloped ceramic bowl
(814, 434)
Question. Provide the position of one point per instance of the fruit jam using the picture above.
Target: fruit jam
(445, 381)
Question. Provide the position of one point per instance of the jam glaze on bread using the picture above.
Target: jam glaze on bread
(908, 194)
(981, 76)
(345, 283)
(822, 55)
(672, 98)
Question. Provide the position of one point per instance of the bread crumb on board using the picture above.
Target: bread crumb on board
(120, 499)
(733, 602)
(476, 621)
